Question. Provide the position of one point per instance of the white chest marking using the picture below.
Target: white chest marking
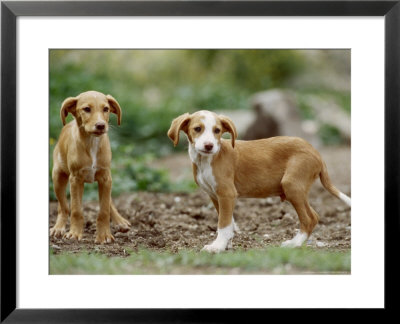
(94, 147)
(204, 176)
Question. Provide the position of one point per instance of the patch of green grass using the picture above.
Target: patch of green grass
(273, 260)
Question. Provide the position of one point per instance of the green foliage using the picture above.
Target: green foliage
(253, 70)
(272, 260)
(153, 86)
(330, 135)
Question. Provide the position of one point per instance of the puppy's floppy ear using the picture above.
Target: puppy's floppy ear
(179, 123)
(228, 126)
(115, 108)
(68, 106)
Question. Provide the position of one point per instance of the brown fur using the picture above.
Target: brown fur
(277, 166)
(73, 160)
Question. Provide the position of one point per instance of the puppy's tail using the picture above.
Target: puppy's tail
(326, 182)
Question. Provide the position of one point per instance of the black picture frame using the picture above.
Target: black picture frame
(10, 10)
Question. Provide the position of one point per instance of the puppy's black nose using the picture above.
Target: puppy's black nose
(208, 146)
(100, 126)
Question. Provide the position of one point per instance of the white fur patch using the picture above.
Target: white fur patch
(94, 147)
(345, 199)
(194, 156)
(222, 241)
(91, 172)
(208, 134)
(297, 241)
(205, 177)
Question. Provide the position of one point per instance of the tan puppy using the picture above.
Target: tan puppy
(227, 169)
(81, 155)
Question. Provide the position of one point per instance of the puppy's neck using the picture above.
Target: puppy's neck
(91, 142)
(197, 158)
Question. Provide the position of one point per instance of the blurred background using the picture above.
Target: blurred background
(266, 92)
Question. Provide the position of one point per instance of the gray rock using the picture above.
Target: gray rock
(277, 113)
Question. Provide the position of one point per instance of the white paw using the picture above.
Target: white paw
(224, 236)
(214, 248)
(290, 244)
(297, 241)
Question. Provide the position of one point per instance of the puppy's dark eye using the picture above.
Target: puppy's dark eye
(86, 109)
(105, 109)
(197, 129)
(217, 131)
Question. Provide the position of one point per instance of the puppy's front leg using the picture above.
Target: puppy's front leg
(225, 225)
(215, 203)
(77, 221)
(103, 234)
(60, 181)
(122, 225)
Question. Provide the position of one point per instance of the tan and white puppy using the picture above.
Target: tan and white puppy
(226, 169)
(81, 155)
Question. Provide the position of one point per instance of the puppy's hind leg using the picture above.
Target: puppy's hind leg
(296, 183)
(60, 181)
(297, 195)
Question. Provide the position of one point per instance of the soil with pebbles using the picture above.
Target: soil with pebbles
(171, 221)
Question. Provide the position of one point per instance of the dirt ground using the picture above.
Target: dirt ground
(171, 221)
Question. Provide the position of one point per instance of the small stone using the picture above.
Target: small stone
(177, 199)
(269, 201)
(275, 223)
(321, 244)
